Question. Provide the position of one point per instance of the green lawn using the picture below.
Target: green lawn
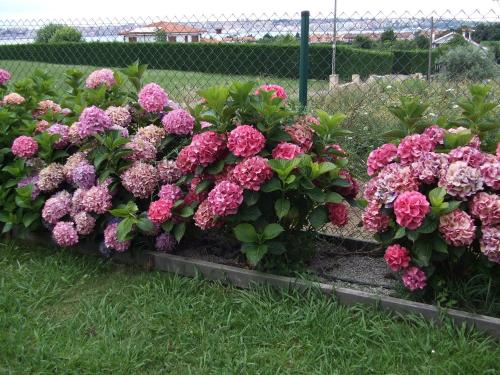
(66, 314)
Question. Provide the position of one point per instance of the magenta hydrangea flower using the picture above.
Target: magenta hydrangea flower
(397, 257)
(4, 77)
(119, 116)
(380, 157)
(277, 90)
(286, 151)
(141, 150)
(410, 209)
(225, 198)
(337, 214)
(472, 156)
(460, 180)
(251, 173)
(457, 228)
(490, 172)
(435, 134)
(13, 99)
(56, 207)
(245, 141)
(152, 134)
(187, 160)
(412, 146)
(168, 172)
(301, 134)
(348, 191)
(24, 146)
(83, 175)
(208, 147)
(93, 120)
(414, 278)
(51, 177)
(160, 211)
(429, 167)
(152, 98)
(100, 77)
(486, 207)
(204, 217)
(97, 199)
(165, 243)
(170, 192)
(65, 234)
(140, 179)
(178, 122)
(490, 243)
(63, 132)
(84, 223)
(111, 239)
(41, 126)
(375, 220)
(393, 180)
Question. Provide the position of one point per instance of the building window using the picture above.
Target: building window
(172, 39)
(132, 39)
(186, 39)
(195, 38)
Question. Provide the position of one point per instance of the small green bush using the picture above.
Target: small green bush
(468, 62)
(66, 34)
(44, 34)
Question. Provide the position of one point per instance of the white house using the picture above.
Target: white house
(466, 34)
(175, 32)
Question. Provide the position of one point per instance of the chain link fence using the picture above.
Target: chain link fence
(358, 63)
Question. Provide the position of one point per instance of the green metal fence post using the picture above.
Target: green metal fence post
(304, 57)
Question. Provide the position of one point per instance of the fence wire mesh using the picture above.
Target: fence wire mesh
(379, 57)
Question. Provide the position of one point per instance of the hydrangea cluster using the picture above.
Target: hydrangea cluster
(471, 155)
(56, 207)
(13, 99)
(140, 150)
(252, 172)
(65, 234)
(301, 134)
(97, 199)
(178, 122)
(380, 157)
(4, 77)
(151, 133)
(410, 209)
(374, 220)
(429, 167)
(170, 192)
(286, 151)
(412, 146)
(397, 257)
(71, 163)
(93, 120)
(490, 173)
(51, 177)
(168, 172)
(277, 90)
(461, 181)
(84, 223)
(204, 217)
(225, 198)
(165, 243)
(435, 134)
(414, 278)
(350, 191)
(111, 239)
(140, 179)
(100, 77)
(208, 147)
(457, 228)
(490, 243)
(160, 210)
(24, 146)
(83, 175)
(120, 116)
(393, 180)
(486, 207)
(63, 132)
(245, 141)
(152, 98)
(337, 214)
(46, 106)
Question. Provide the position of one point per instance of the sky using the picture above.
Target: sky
(65, 9)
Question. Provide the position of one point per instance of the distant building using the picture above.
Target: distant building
(465, 33)
(175, 32)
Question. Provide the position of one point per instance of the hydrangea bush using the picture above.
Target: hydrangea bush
(126, 167)
(434, 195)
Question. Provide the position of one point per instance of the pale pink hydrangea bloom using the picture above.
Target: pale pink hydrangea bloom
(65, 234)
(140, 179)
(97, 199)
(251, 173)
(63, 132)
(41, 126)
(397, 257)
(179, 122)
(83, 175)
(457, 228)
(152, 98)
(472, 156)
(245, 141)
(225, 198)
(111, 239)
(460, 180)
(278, 91)
(490, 172)
(430, 167)
(393, 180)
(24, 146)
(77, 200)
(119, 116)
(93, 120)
(84, 223)
(168, 172)
(337, 214)
(71, 162)
(100, 77)
(286, 151)
(486, 207)
(204, 217)
(435, 134)
(56, 207)
(380, 157)
(170, 192)
(374, 220)
(152, 134)
(141, 150)
(414, 278)
(44, 106)
(410, 209)
(412, 146)
(51, 177)
(490, 243)
(301, 134)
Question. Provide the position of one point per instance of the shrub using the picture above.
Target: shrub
(434, 197)
(388, 36)
(467, 62)
(362, 41)
(66, 34)
(45, 33)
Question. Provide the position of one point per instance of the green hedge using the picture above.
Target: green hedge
(412, 61)
(247, 59)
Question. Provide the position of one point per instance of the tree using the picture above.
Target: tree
(421, 41)
(487, 31)
(66, 34)
(468, 62)
(44, 34)
(362, 41)
(160, 36)
(388, 36)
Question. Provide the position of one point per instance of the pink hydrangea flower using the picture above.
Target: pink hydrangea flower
(410, 209)
(97, 199)
(204, 217)
(93, 120)
(490, 243)
(412, 146)
(348, 191)
(301, 134)
(429, 167)
(51, 177)
(251, 173)
(4, 77)
(160, 211)
(435, 134)
(84, 223)
(141, 150)
(278, 91)
(152, 134)
(33, 181)
(111, 239)
(490, 172)
(245, 141)
(56, 207)
(332, 153)
(119, 116)
(41, 126)
(100, 77)
(71, 163)
(152, 98)
(170, 192)
(168, 172)
(83, 175)
(380, 157)
(393, 180)
(373, 219)
(472, 156)
(205, 124)
(65, 234)
(337, 214)
(208, 147)
(225, 198)
(46, 106)
(77, 199)
(287, 151)
(414, 278)
(178, 122)
(13, 98)
(63, 132)
(486, 207)
(460, 180)
(457, 228)
(165, 243)
(24, 146)
(187, 160)
(140, 179)
(397, 257)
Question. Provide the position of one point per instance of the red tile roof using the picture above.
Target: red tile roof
(171, 27)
